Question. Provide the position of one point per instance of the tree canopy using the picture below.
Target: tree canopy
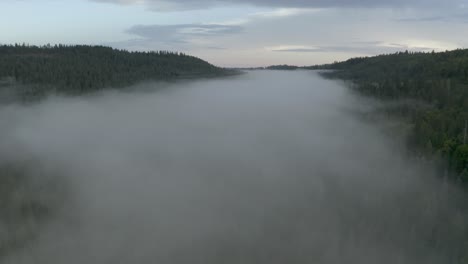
(78, 69)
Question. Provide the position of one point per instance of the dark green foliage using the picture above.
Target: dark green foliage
(78, 69)
(438, 80)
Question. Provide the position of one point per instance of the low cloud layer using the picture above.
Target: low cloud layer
(268, 167)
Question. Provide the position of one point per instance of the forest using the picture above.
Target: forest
(435, 87)
(39, 70)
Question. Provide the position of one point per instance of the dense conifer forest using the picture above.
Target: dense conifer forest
(282, 67)
(437, 86)
(77, 69)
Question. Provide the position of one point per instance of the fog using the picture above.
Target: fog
(265, 167)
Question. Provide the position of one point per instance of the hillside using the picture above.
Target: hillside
(438, 80)
(78, 69)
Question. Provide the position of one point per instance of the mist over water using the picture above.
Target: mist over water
(266, 167)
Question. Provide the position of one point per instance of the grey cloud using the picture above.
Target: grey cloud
(422, 19)
(371, 47)
(299, 50)
(142, 44)
(150, 37)
(215, 48)
(367, 42)
(162, 5)
(182, 31)
(460, 17)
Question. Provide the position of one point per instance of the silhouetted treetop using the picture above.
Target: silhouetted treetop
(81, 68)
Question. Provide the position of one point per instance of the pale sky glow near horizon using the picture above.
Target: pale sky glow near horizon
(242, 33)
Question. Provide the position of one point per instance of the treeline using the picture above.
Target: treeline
(438, 80)
(80, 68)
(282, 67)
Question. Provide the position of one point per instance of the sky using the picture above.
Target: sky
(242, 33)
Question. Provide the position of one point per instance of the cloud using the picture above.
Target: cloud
(182, 31)
(294, 48)
(366, 47)
(456, 18)
(423, 19)
(164, 5)
(283, 12)
(299, 50)
(206, 36)
(150, 36)
(168, 37)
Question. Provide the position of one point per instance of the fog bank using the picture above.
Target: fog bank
(267, 167)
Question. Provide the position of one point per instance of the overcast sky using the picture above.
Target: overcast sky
(243, 32)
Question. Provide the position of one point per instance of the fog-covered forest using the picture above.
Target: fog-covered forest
(128, 156)
(29, 193)
(431, 92)
(264, 167)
